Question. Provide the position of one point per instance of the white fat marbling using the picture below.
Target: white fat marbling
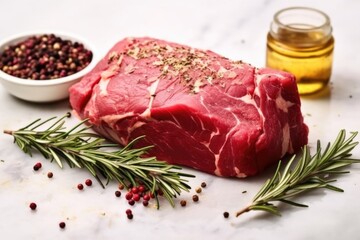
(236, 29)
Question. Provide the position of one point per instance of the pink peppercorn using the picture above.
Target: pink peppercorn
(80, 186)
(88, 182)
(128, 196)
(37, 166)
(134, 190)
(136, 197)
(146, 197)
(62, 224)
(141, 188)
(33, 206)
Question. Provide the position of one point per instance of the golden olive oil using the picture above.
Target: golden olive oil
(302, 49)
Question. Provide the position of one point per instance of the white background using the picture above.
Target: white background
(235, 29)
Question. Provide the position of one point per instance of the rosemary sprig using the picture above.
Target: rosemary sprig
(82, 149)
(308, 173)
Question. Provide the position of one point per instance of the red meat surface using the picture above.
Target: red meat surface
(197, 108)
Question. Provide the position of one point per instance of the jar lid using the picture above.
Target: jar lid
(301, 26)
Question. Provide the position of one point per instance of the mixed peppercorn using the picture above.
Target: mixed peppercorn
(44, 57)
(133, 195)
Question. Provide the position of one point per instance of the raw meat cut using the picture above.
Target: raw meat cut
(197, 108)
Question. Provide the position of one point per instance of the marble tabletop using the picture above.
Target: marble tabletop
(235, 29)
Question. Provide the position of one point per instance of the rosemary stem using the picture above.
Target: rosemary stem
(310, 172)
(8, 132)
(88, 150)
(244, 210)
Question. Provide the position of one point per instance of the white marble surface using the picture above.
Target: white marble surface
(236, 29)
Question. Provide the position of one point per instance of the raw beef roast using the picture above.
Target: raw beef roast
(197, 108)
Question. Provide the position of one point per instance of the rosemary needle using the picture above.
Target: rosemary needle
(82, 149)
(308, 173)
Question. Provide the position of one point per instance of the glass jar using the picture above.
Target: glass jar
(300, 41)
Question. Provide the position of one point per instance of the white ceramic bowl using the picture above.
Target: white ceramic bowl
(43, 90)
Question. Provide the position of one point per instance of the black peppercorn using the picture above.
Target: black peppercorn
(195, 198)
(183, 203)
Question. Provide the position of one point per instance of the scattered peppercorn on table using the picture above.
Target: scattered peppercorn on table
(41, 201)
